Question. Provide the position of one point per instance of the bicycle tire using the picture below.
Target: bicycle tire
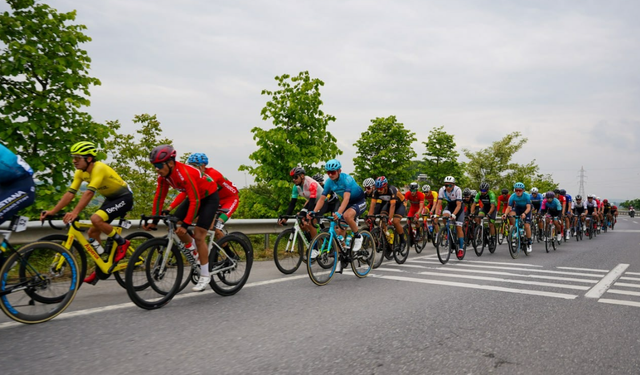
(287, 259)
(237, 255)
(147, 285)
(401, 251)
(422, 243)
(443, 251)
(363, 259)
(501, 233)
(513, 241)
(553, 238)
(322, 267)
(137, 239)
(76, 250)
(479, 236)
(30, 271)
(381, 244)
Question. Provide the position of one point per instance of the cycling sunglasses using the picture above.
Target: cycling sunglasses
(331, 173)
(159, 165)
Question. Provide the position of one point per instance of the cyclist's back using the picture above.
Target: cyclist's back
(17, 189)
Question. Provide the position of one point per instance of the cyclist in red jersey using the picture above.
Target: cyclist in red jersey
(503, 201)
(201, 202)
(415, 199)
(227, 191)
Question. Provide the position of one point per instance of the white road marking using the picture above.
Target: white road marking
(629, 278)
(524, 269)
(581, 269)
(632, 273)
(389, 269)
(526, 282)
(619, 302)
(478, 286)
(95, 310)
(628, 285)
(625, 292)
(635, 222)
(628, 230)
(601, 287)
(503, 263)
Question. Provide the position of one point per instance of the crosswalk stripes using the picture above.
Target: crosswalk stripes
(519, 278)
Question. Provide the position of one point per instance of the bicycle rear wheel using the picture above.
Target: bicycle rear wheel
(363, 259)
(421, 240)
(380, 242)
(136, 239)
(38, 282)
(443, 245)
(513, 240)
(553, 238)
(153, 274)
(479, 240)
(401, 251)
(322, 258)
(230, 265)
(286, 258)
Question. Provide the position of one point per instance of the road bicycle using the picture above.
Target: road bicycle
(388, 244)
(502, 231)
(79, 246)
(469, 231)
(35, 287)
(327, 249)
(448, 241)
(517, 240)
(291, 245)
(155, 273)
(429, 229)
(578, 227)
(483, 237)
(549, 228)
(416, 236)
(591, 227)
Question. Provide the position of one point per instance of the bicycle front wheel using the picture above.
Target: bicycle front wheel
(401, 251)
(479, 244)
(136, 239)
(442, 249)
(230, 265)
(501, 233)
(380, 242)
(153, 274)
(38, 282)
(513, 240)
(285, 256)
(322, 258)
(363, 259)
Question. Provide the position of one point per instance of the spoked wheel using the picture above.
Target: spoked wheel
(136, 239)
(363, 259)
(154, 273)
(322, 258)
(479, 240)
(285, 256)
(380, 242)
(38, 282)
(513, 240)
(442, 249)
(230, 265)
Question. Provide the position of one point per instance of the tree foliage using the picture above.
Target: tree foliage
(299, 135)
(257, 202)
(494, 166)
(129, 157)
(632, 202)
(44, 83)
(441, 158)
(384, 149)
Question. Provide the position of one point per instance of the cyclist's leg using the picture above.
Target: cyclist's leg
(110, 209)
(230, 204)
(397, 217)
(354, 209)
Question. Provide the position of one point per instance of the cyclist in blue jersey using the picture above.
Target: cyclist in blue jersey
(520, 204)
(353, 200)
(553, 207)
(17, 189)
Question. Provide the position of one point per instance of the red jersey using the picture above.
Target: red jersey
(503, 202)
(562, 200)
(191, 183)
(226, 188)
(415, 200)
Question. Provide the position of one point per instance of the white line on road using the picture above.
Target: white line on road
(503, 263)
(526, 282)
(635, 222)
(628, 230)
(619, 302)
(529, 270)
(632, 273)
(598, 290)
(625, 292)
(94, 310)
(483, 287)
(628, 284)
(581, 269)
(629, 278)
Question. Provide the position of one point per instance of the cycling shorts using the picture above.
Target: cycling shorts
(484, 212)
(413, 210)
(451, 207)
(206, 212)
(400, 211)
(116, 207)
(520, 210)
(231, 204)
(358, 206)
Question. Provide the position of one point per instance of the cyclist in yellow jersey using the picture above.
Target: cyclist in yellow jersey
(101, 178)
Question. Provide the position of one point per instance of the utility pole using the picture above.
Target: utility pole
(582, 176)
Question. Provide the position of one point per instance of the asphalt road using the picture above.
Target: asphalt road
(573, 311)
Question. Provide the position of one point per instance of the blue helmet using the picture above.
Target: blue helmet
(198, 158)
(381, 182)
(518, 185)
(332, 165)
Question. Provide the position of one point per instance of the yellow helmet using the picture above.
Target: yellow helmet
(84, 148)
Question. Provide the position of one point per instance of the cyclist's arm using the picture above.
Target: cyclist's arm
(320, 203)
(86, 198)
(64, 201)
(345, 202)
(458, 209)
(392, 208)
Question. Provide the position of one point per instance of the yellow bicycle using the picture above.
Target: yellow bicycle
(80, 247)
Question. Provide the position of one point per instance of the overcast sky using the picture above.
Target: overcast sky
(564, 73)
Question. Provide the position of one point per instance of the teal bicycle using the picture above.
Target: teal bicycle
(517, 240)
(327, 249)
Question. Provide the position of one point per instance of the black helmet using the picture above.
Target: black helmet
(505, 191)
(466, 192)
(484, 186)
(296, 171)
(318, 177)
(563, 192)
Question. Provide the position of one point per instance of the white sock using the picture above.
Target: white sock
(204, 269)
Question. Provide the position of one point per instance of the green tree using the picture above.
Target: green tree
(299, 135)
(384, 149)
(494, 166)
(129, 157)
(256, 202)
(441, 158)
(44, 83)
(632, 202)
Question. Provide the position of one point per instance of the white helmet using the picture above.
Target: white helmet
(598, 198)
(534, 190)
(449, 179)
(368, 182)
(426, 188)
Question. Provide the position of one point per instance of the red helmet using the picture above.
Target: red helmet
(605, 201)
(162, 153)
